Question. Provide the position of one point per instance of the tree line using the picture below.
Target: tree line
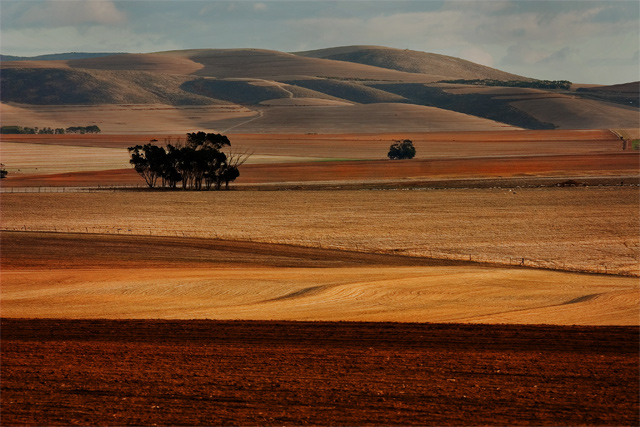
(196, 164)
(19, 130)
(535, 84)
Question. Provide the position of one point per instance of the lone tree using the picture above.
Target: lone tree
(3, 171)
(402, 150)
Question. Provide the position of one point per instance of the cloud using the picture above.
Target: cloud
(73, 12)
(92, 39)
(523, 53)
(260, 7)
(478, 55)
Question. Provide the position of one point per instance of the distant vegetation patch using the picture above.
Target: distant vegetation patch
(534, 84)
(19, 130)
(475, 104)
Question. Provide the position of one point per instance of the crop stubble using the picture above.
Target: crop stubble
(592, 229)
(187, 252)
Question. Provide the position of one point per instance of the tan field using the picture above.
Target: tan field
(114, 274)
(318, 116)
(512, 255)
(130, 119)
(197, 278)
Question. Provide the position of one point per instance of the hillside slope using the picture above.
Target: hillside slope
(411, 61)
(309, 84)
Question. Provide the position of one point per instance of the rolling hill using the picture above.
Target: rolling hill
(330, 85)
(411, 61)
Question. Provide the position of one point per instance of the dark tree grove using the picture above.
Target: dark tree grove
(402, 150)
(197, 164)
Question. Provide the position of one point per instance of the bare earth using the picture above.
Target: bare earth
(61, 372)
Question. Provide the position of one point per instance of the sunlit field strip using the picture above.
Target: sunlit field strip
(586, 229)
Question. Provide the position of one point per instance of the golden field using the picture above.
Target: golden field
(564, 228)
(378, 249)
(129, 276)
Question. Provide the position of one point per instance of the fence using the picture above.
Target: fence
(435, 254)
(69, 189)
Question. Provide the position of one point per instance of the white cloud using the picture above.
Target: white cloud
(260, 7)
(523, 53)
(72, 12)
(478, 55)
(93, 39)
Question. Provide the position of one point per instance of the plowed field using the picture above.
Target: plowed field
(57, 372)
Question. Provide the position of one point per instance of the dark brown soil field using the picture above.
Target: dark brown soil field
(82, 372)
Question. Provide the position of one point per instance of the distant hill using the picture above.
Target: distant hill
(627, 94)
(274, 85)
(56, 56)
(411, 61)
(631, 87)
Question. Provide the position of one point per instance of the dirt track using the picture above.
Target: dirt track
(57, 372)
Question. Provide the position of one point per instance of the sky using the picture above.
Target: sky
(582, 41)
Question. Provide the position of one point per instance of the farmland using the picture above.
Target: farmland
(330, 286)
(563, 228)
(278, 373)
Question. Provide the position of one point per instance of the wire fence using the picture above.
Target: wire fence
(626, 269)
(97, 189)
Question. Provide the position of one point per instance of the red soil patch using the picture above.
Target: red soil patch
(429, 169)
(59, 372)
(372, 170)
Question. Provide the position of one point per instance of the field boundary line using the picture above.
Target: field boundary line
(429, 254)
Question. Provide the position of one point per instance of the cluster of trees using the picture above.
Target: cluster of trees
(536, 84)
(198, 163)
(19, 130)
(400, 150)
(3, 171)
(83, 129)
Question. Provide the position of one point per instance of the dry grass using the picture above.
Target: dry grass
(128, 119)
(110, 276)
(405, 294)
(590, 229)
(305, 118)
